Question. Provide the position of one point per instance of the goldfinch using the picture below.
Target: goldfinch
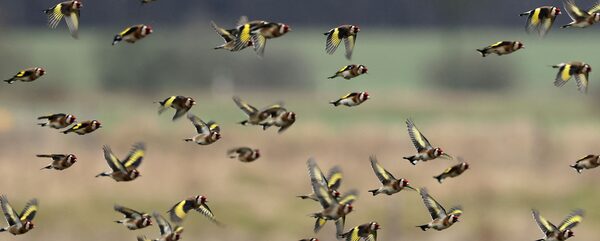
(18, 223)
(351, 99)
(147, 1)
(59, 161)
(391, 185)
(255, 116)
(133, 219)
(440, 218)
(126, 170)
(309, 239)
(85, 127)
(57, 121)
(279, 117)
(208, 133)
(180, 103)
(27, 75)
(425, 151)
(580, 18)
(244, 154)
(563, 231)
(133, 34)
(336, 35)
(587, 162)
(540, 20)
(266, 31)
(333, 181)
(199, 203)
(501, 48)
(167, 232)
(350, 71)
(70, 11)
(580, 70)
(244, 32)
(333, 209)
(453, 171)
(366, 232)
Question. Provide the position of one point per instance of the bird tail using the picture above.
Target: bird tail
(67, 131)
(331, 77)
(43, 155)
(524, 14)
(3, 229)
(424, 227)
(119, 221)
(374, 192)
(566, 26)
(335, 103)
(188, 139)
(104, 174)
(10, 81)
(46, 167)
(245, 122)
(482, 52)
(42, 124)
(576, 168)
(303, 197)
(319, 223)
(412, 159)
(117, 39)
(439, 178)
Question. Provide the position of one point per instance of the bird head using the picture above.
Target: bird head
(77, 4)
(438, 151)
(347, 208)
(216, 135)
(71, 159)
(335, 193)
(256, 153)
(568, 233)
(40, 71)
(587, 68)
(404, 182)
(465, 165)
(362, 69)
(29, 225)
(70, 119)
(374, 226)
(518, 45)
(363, 96)
(96, 124)
(354, 29)
(556, 11)
(146, 30)
(291, 116)
(134, 174)
(189, 101)
(146, 221)
(200, 200)
(284, 28)
(596, 17)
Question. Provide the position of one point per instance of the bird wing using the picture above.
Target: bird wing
(582, 82)
(456, 211)
(584, 158)
(128, 31)
(352, 235)
(349, 197)
(135, 157)
(29, 211)
(323, 194)
(205, 210)
(259, 42)
(372, 236)
(349, 43)
(334, 178)
(72, 21)
(9, 213)
(594, 9)
(564, 74)
(571, 221)
(213, 126)
(113, 162)
(243, 20)
(226, 35)
(201, 126)
(244, 36)
(333, 41)
(575, 12)
(383, 175)
(128, 212)
(418, 139)
(54, 15)
(163, 224)
(248, 109)
(435, 209)
(546, 226)
(315, 173)
(179, 211)
(179, 113)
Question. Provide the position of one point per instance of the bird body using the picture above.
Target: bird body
(70, 10)
(18, 223)
(27, 75)
(541, 19)
(244, 154)
(425, 151)
(57, 121)
(59, 161)
(501, 48)
(85, 127)
(133, 34)
(453, 171)
(351, 99)
(391, 185)
(350, 71)
(181, 104)
(579, 70)
(347, 33)
(587, 162)
(126, 170)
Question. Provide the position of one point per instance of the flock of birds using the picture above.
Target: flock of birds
(335, 206)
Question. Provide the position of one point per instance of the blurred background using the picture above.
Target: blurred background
(502, 114)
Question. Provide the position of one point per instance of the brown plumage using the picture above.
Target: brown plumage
(244, 154)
